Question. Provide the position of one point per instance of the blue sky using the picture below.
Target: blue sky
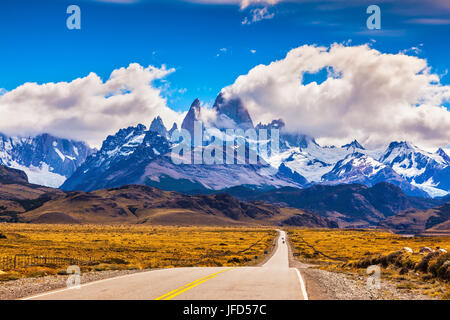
(207, 44)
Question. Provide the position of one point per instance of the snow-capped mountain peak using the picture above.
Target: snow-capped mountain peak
(440, 152)
(361, 168)
(409, 160)
(231, 113)
(353, 167)
(47, 160)
(426, 170)
(123, 143)
(354, 145)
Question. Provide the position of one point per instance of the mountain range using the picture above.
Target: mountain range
(137, 155)
(141, 155)
(349, 205)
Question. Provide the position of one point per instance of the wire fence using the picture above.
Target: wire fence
(24, 260)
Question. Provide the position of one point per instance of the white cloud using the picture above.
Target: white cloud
(253, 51)
(222, 51)
(246, 3)
(432, 21)
(376, 98)
(402, 7)
(414, 50)
(119, 1)
(258, 14)
(242, 3)
(87, 108)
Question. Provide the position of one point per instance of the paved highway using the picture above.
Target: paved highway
(274, 280)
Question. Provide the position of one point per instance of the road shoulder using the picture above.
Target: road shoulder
(271, 251)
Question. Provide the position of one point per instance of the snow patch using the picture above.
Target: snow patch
(60, 154)
(430, 187)
(41, 175)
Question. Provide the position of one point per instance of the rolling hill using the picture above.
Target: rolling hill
(139, 204)
(18, 196)
(350, 205)
(432, 221)
(21, 201)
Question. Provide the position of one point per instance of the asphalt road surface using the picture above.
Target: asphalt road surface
(272, 281)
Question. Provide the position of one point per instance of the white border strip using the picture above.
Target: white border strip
(302, 285)
(82, 286)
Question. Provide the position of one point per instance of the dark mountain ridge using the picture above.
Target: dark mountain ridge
(350, 205)
(138, 204)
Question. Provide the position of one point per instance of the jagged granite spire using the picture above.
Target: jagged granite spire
(192, 116)
(174, 128)
(157, 126)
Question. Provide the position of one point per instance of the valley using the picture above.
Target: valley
(132, 247)
(332, 262)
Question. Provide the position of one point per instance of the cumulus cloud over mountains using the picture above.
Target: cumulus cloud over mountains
(86, 108)
(367, 95)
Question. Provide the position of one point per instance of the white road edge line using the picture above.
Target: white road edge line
(302, 285)
(82, 286)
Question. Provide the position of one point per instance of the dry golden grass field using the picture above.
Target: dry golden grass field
(352, 251)
(130, 247)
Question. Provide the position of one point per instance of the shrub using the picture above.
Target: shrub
(423, 265)
(8, 276)
(398, 259)
(440, 267)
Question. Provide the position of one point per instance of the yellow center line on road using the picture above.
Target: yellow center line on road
(190, 285)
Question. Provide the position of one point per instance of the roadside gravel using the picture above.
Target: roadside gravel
(326, 285)
(322, 284)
